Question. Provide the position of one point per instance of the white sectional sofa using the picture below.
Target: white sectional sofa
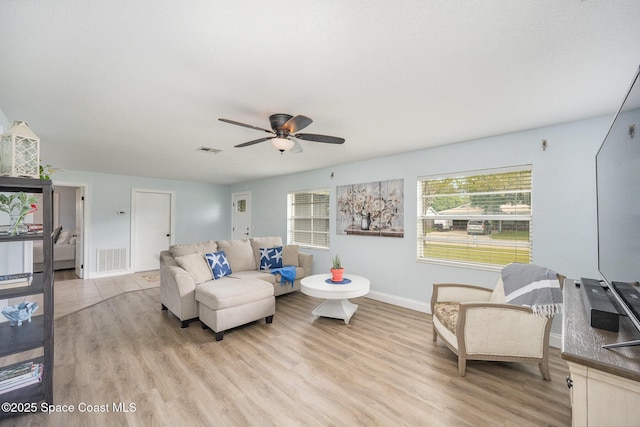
(189, 291)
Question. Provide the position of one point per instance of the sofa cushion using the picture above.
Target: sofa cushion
(270, 258)
(218, 264)
(190, 248)
(290, 255)
(256, 274)
(267, 276)
(263, 242)
(231, 292)
(239, 254)
(196, 266)
(447, 314)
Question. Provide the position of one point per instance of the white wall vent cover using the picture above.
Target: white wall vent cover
(112, 260)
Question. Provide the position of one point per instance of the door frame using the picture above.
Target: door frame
(132, 219)
(86, 223)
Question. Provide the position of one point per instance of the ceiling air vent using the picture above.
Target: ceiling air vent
(209, 150)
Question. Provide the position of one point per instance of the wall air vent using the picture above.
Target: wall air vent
(112, 260)
(209, 150)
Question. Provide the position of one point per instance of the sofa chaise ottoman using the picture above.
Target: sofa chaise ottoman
(189, 291)
(228, 302)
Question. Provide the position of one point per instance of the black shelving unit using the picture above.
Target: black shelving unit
(39, 332)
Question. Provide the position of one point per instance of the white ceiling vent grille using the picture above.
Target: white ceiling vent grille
(209, 150)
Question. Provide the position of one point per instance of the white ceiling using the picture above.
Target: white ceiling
(135, 87)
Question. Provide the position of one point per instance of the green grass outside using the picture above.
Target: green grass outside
(511, 235)
(504, 235)
(480, 254)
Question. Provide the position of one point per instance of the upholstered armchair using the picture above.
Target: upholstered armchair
(477, 324)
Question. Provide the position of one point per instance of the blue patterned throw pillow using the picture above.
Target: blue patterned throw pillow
(270, 258)
(218, 263)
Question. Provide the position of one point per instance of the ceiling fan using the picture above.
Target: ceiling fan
(284, 127)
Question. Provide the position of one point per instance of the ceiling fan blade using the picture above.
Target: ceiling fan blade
(245, 125)
(297, 148)
(297, 123)
(255, 141)
(320, 138)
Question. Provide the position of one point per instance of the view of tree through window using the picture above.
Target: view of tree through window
(476, 218)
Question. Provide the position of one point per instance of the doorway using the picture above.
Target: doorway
(151, 227)
(241, 215)
(69, 213)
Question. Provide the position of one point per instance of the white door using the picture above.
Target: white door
(79, 232)
(241, 215)
(151, 228)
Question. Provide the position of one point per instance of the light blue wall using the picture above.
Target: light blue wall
(202, 211)
(564, 206)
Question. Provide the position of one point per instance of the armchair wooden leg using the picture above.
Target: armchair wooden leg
(544, 370)
(462, 366)
(435, 334)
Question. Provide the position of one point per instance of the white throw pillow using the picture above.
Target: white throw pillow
(290, 255)
(196, 266)
(64, 237)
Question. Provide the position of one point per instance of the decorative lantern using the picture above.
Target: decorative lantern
(20, 152)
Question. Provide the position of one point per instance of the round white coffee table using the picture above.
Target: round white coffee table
(337, 304)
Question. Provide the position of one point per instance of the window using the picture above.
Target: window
(308, 218)
(479, 218)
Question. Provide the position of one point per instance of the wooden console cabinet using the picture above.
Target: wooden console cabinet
(604, 383)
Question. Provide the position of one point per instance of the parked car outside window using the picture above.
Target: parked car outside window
(479, 227)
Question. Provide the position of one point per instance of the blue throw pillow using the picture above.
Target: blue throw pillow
(218, 263)
(270, 258)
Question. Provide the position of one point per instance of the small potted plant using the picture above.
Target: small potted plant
(337, 271)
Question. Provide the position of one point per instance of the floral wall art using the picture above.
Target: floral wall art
(371, 209)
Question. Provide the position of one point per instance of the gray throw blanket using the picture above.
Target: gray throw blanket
(533, 286)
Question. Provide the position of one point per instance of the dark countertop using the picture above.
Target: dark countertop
(582, 344)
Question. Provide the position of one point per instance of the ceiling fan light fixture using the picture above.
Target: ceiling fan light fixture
(284, 126)
(282, 144)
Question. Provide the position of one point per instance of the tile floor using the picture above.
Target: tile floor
(76, 294)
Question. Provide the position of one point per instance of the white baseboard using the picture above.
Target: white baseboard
(555, 340)
(411, 304)
(96, 275)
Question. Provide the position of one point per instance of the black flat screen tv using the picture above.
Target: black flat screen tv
(618, 200)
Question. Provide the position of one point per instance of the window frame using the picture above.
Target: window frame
(522, 250)
(313, 243)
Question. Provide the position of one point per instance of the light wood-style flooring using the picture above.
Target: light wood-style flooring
(383, 369)
(72, 294)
